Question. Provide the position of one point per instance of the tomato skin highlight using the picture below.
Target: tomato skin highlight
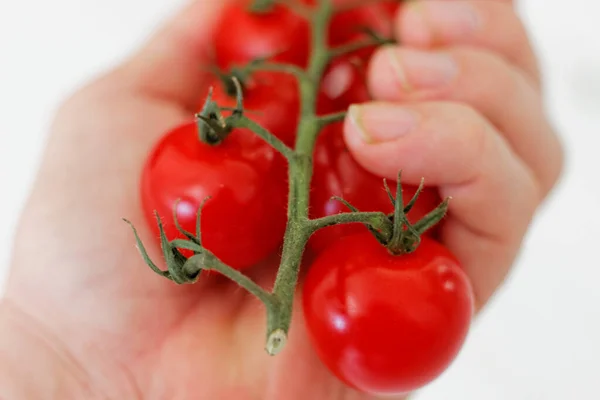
(337, 173)
(344, 81)
(386, 324)
(244, 220)
(242, 36)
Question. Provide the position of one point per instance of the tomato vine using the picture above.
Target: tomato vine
(391, 230)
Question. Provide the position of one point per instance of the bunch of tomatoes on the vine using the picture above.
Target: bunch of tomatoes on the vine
(382, 321)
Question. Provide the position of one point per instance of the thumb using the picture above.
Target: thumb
(169, 64)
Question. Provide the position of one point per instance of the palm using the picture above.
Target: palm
(80, 273)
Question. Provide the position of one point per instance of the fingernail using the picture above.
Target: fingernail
(443, 18)
(414, 23)
(416, 69)
(382, 122)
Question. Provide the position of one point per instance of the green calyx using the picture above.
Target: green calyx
(395, 232)
(406, 236)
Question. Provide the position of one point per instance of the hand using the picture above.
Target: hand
(81, 302)
(82, 306)
(460, 104)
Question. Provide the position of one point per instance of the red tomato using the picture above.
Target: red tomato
(241, 36)
(245, 218)
(347, 26)
(344, 81)
(386, 324)
(336, 173)
(271, 99)
(390, 8)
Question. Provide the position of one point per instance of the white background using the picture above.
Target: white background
(540, 338)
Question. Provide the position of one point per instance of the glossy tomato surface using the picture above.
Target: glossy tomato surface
(391, 8)
(386, 324)
(348, 26)
(344, 81)
(336, 173)
(244, 220)
(241, 36)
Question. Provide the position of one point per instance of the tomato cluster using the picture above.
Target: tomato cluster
(382, 323)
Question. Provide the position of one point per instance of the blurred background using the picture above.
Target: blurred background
(540, 337)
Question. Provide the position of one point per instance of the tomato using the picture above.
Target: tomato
(386, 324)
(242, 36)
(271, 99)
(244, 220)
(336, 173)
(344, 80)
(347, 26)
(390, 8)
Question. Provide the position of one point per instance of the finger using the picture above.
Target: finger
(494, 194)
(169, 64)
(491, 24)
(501, 92)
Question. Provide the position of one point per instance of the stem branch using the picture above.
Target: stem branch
(351, 47)
(299, 228)
(332, 118)
(241, 121)
(209, 262)
(376, 220)
(260, 65)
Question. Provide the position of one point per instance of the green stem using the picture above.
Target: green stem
(209, 262)
(241, 121)
(355, 46)
(308, 128)
(298, 231)
(291, 69)
(299, 228)
(327, 119)
(377, 220)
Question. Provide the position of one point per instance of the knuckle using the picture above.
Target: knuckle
(486, 74)
(474, 136)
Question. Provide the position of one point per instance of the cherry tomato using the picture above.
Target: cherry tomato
(271, 99)
(244, 220)
(336, 173)
(386, 324)
(348, 26)
(344, 81)
(390, 8)
(242, 36)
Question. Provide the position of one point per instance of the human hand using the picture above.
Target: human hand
(118, 330)
(459, 103)
(82, 309)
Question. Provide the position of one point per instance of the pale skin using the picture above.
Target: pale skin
(84, 317)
